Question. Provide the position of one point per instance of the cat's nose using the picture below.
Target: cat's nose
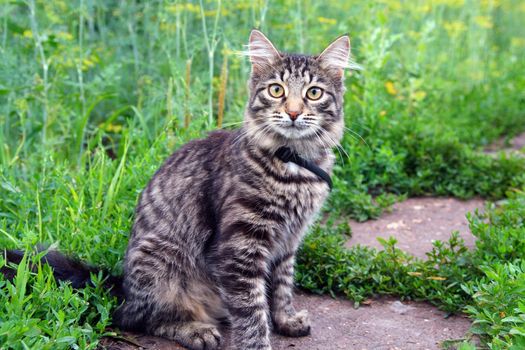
(293, 114)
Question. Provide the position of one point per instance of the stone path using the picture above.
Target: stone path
(416, 223)
(385, 324)
(515, 146)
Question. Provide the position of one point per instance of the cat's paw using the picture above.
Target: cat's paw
(297, 325)
(199, 336)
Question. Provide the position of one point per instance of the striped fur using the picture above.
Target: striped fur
(217, 227)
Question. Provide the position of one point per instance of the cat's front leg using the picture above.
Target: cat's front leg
(242, 275)
(286, 320)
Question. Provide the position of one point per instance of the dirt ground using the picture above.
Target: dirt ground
(386, 324)
(416, 223)
(515, 146)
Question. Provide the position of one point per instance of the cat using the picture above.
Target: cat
(217, 228)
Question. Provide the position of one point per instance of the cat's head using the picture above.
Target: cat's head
(296, 100)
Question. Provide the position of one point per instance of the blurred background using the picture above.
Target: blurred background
(76, 76)
(95, 94)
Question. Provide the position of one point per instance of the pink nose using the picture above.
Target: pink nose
(293, 115)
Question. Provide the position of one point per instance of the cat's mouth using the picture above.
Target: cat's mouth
(294, 131)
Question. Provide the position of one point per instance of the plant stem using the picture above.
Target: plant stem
(43, 62)
(211, 45)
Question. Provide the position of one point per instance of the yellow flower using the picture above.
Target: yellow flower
(395, 5)
(325, 20)
(517, 42)
(168, 27)
(418, 95)
(425, 8)
(454, 28)
(28, 34)
(192, 8)
(489, 4)
(65, 36)
(87, 63)
(183, 7)
(114, 128)
(390, 88)
(382, 113)
(484, 22)
(451, 3)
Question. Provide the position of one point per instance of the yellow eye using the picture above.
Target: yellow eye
(276, 90)
(314, 93)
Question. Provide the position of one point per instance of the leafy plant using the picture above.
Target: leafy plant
(94, 95)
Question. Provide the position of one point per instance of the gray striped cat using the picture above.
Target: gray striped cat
(217, 227)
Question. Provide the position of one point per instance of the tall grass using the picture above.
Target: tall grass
(94, 94)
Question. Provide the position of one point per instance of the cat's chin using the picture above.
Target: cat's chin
(296, 134)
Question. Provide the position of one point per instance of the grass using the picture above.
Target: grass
(94, 95)
(487, 282)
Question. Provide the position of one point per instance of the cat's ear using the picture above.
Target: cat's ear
(261, 51)
(336, 56)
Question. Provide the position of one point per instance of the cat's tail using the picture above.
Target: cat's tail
(66, 269)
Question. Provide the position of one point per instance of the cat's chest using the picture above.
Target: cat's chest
(303, 193)
(301, 204)
(302, 200)
(292, 168)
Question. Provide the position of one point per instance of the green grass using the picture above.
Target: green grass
(94, 96)
(487, 282)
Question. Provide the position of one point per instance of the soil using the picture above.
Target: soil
(516, 145)
(416, 223)
(385, 324)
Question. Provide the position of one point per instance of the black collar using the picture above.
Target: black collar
(286, 155)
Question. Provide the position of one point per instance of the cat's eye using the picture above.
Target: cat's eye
(314, 93)
(276, 90)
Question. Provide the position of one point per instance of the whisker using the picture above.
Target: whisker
(362, 125)
(359, 137)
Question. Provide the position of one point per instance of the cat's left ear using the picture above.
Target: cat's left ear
(336, 56)
(262, 52)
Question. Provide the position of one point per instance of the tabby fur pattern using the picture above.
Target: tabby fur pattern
(218, 226)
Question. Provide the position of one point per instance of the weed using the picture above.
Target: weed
(92, 95)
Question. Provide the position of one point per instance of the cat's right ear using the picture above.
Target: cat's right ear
(262, 52)
(336, 57)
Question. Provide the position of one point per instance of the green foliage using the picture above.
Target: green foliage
(501, 232)
(36, 313)
(487, 282)
(94, 95)
(498, 306)
(419, 163)
(325, 266)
